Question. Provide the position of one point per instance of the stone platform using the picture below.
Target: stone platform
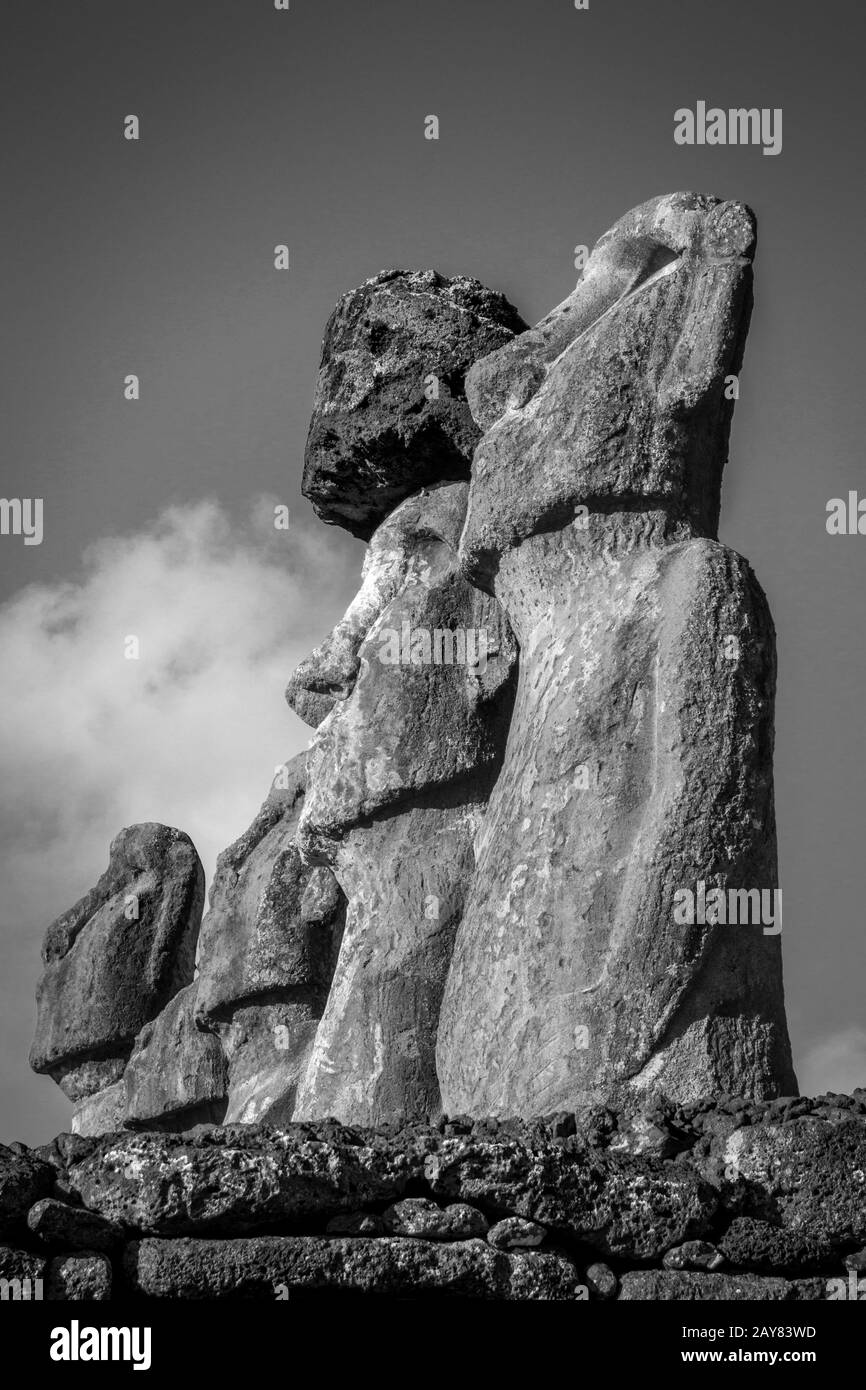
(713, 1200)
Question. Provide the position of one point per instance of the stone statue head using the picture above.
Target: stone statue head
(617, 396)
(423, 664)
(411, 693)
(405, 692)
(116, 959)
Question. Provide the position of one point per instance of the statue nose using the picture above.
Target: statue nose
(327, 675)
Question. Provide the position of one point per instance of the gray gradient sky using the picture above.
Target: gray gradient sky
(156, 257)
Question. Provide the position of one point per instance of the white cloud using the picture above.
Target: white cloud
(189, 734)
(836, 1063)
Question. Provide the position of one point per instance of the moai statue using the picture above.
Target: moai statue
(267, 952)
(137, 1042)
(411, 693)
(113, 963)
(134, 1039)
(638, 771)
(400, 772)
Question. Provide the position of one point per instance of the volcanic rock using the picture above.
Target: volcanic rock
(390, 413)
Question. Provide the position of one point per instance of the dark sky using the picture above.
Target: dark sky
(307, 127)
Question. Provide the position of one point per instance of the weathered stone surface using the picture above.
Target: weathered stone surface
(24, 1274)
(694, 1254)
(115, 959)
(86, 1275)
(666, 1285)
(101, 1112)
(622, 1207)
(561, 1181)
(516, 1234)
(639, 758)
(806, 1175)
(230, 1181)
(75, 1228)
(373, 1059)
(418, 1216)
(406, 716)
(399, 771)
(177, 1075)
(381, 428)
(602, 1281)
(657, 319)
(264, 1267)
(24, 1178)
(64, 1149)
(269, 944)
(752, 1244)
(642, 1134)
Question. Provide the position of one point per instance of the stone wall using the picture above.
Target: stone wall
(716, 1199)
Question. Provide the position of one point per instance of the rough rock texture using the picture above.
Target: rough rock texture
(639, 759)
(695, 1254)
(177, 1075)
(399, 771)
(668, 1285)
(115, 959)
(381, 428)
(270, 1267)
(56, 1223)
(232, 1180)
(101, 1112)
(516, 1234)
(269, 944)
(24, 1178)
(22, 1272)
(87, 1275)
(806, 1175)
(618, 1206)
(419, 1216)
(602, 1281)
(547, 1208)
(753, 1244)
